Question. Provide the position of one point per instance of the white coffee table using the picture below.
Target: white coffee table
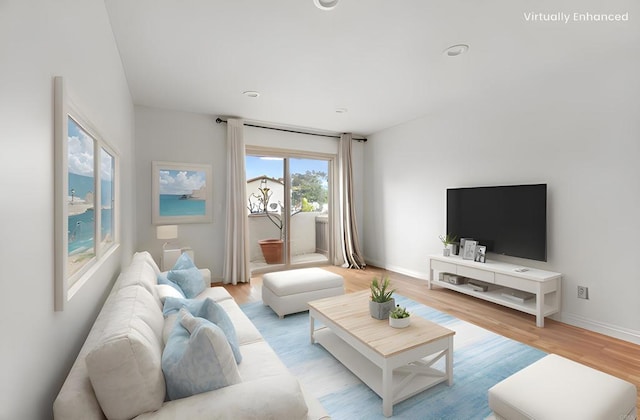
(395, 363)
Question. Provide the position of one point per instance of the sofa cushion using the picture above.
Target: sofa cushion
(216, 293)
(197, 358)
(146, 257)
(260, 360)
(211, 311)
(246, 331)
(186, 275)
(139, 273)
(270, 397)
(125, 365)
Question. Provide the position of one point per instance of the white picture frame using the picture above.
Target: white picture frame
(181, 193)
(469, 250)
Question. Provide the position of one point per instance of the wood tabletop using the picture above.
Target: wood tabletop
(350, 312)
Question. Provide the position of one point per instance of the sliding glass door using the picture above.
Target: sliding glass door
(309, 197)
(288, 208)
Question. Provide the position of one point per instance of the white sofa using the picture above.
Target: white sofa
(118, 372)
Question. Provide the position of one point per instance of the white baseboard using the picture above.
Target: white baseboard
(401, 270)
(599, 327)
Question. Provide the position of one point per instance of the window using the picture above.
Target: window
(86, 198)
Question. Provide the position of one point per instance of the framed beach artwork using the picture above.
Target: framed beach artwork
(86, 205)
(181, 193)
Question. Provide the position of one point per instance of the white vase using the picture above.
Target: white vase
(446, 252)
(400, 322)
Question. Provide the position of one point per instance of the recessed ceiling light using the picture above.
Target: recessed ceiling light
(325, 4)
(251, 93)
(456, 50)
(341, 110)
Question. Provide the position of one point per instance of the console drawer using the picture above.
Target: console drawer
(477, 274)
(516, 283)
(443, 266)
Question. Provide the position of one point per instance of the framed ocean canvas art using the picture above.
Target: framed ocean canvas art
(181, 193)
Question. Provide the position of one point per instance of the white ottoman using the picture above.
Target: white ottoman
(556, 388)
(288, 292)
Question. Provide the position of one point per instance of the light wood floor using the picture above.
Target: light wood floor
(616, 357)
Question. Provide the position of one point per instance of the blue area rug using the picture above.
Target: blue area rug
(481, 359)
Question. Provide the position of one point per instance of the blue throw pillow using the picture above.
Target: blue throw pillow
(211, 311)
(197, 358)
(162, 279)
(183, 261)
(187, 276)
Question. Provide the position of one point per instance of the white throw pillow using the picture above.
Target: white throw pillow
(165, 291)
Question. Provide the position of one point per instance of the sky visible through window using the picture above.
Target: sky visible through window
(273, 168)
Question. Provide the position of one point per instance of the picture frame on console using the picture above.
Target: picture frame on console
(481, 254)
(469, 250)
(461, 245)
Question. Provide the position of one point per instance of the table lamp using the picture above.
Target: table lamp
(167, 232)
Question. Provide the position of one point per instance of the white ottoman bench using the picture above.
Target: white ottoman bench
(288, 292)
(556, 388)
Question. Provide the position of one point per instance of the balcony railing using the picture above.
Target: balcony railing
(309, 234)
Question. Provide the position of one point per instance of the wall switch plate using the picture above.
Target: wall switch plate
(583, 292)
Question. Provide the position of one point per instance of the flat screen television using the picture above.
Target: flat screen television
(508, 220)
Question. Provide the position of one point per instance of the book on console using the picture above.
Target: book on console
(518, 295)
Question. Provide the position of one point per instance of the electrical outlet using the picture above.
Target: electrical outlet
(583, 292)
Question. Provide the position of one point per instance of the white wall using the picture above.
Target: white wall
(39, 40)
(576, 132)
(174, 136)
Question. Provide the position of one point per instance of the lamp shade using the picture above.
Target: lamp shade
(167, 232)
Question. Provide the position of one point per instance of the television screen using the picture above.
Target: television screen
(508, 220)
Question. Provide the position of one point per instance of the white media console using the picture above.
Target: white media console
(502, 280)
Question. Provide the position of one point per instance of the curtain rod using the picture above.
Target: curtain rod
(220, 120)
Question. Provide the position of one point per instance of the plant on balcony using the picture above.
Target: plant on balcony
(259, 204)
(264, 198)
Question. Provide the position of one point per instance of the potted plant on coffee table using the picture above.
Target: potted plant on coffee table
(399, 317)
(382, 301)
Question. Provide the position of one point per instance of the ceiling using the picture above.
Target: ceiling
(382, 61)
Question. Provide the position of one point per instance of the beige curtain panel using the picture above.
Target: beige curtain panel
(236, 264)
(350, 242)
